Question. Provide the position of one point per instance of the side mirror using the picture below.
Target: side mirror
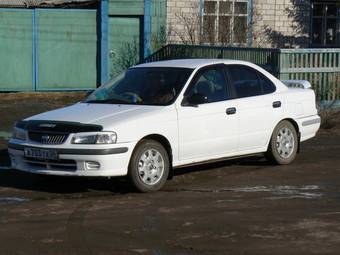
(196, 99)
(89, 92)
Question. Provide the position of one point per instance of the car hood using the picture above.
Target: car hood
(96, 113)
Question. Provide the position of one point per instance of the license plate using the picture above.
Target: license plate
(41, 153)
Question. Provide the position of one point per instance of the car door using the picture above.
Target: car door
(259, 108)
(209, 129)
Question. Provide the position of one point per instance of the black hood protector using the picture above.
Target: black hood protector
(48, 126)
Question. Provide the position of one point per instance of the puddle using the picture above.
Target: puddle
(5, 135)
(12, 200)
(284, 192)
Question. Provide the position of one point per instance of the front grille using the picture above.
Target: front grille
(62, 164)
(46, 138)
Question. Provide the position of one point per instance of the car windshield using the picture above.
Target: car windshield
(142, 86)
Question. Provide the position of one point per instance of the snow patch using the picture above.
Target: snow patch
(5, 135)
(285, 191)
(13, 200)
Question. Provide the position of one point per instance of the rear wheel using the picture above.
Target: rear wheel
(149, 166)
(283, 144)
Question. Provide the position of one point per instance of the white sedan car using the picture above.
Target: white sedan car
(159, 116)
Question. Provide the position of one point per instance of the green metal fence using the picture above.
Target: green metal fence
(267, 58)
(16, 68)
(319, 66)
(48, 49)
(66, 48)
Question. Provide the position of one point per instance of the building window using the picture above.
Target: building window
(225, 22)
(325, 24)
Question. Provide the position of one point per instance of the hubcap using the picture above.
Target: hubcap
(285, 142)
(151, 167)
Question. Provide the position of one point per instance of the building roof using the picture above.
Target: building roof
(41, 3)
(190, 63)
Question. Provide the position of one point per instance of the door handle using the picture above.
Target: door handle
(277, 104)
(231, 110)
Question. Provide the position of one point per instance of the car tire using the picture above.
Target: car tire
(149, 166)
(283, 145)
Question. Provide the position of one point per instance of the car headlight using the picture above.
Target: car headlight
(95, 138)
(20, 134)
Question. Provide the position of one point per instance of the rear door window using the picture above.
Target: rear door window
(267, 85)
(245, 81)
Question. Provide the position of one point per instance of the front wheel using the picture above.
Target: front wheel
(283, 144)
(149, 166)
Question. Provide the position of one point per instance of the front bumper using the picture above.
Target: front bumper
(112, 161)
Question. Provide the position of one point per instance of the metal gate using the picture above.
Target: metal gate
(48, 49)
(125, 43)
(16, 67)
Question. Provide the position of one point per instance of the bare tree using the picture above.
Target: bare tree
(159, 38)
(127, 55)
(190, 24)
(259, 34)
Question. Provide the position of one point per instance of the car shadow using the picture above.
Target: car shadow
(60, 184)
(247, 161)
(4, 158)
(10, 178)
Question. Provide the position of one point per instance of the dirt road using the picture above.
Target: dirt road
(234, 207)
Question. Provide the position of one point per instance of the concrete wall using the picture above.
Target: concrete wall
(276, 23)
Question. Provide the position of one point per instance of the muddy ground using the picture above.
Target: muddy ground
(234, 207)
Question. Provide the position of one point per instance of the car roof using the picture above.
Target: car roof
(190, 63)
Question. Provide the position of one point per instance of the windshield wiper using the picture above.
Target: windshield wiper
(107, 101)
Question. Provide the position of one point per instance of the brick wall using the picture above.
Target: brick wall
(281, 23)
(276, 23)
(183, 21)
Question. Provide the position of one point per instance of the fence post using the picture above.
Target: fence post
(34, 51)
(104, 42)
(147, 27)
(279, 63)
